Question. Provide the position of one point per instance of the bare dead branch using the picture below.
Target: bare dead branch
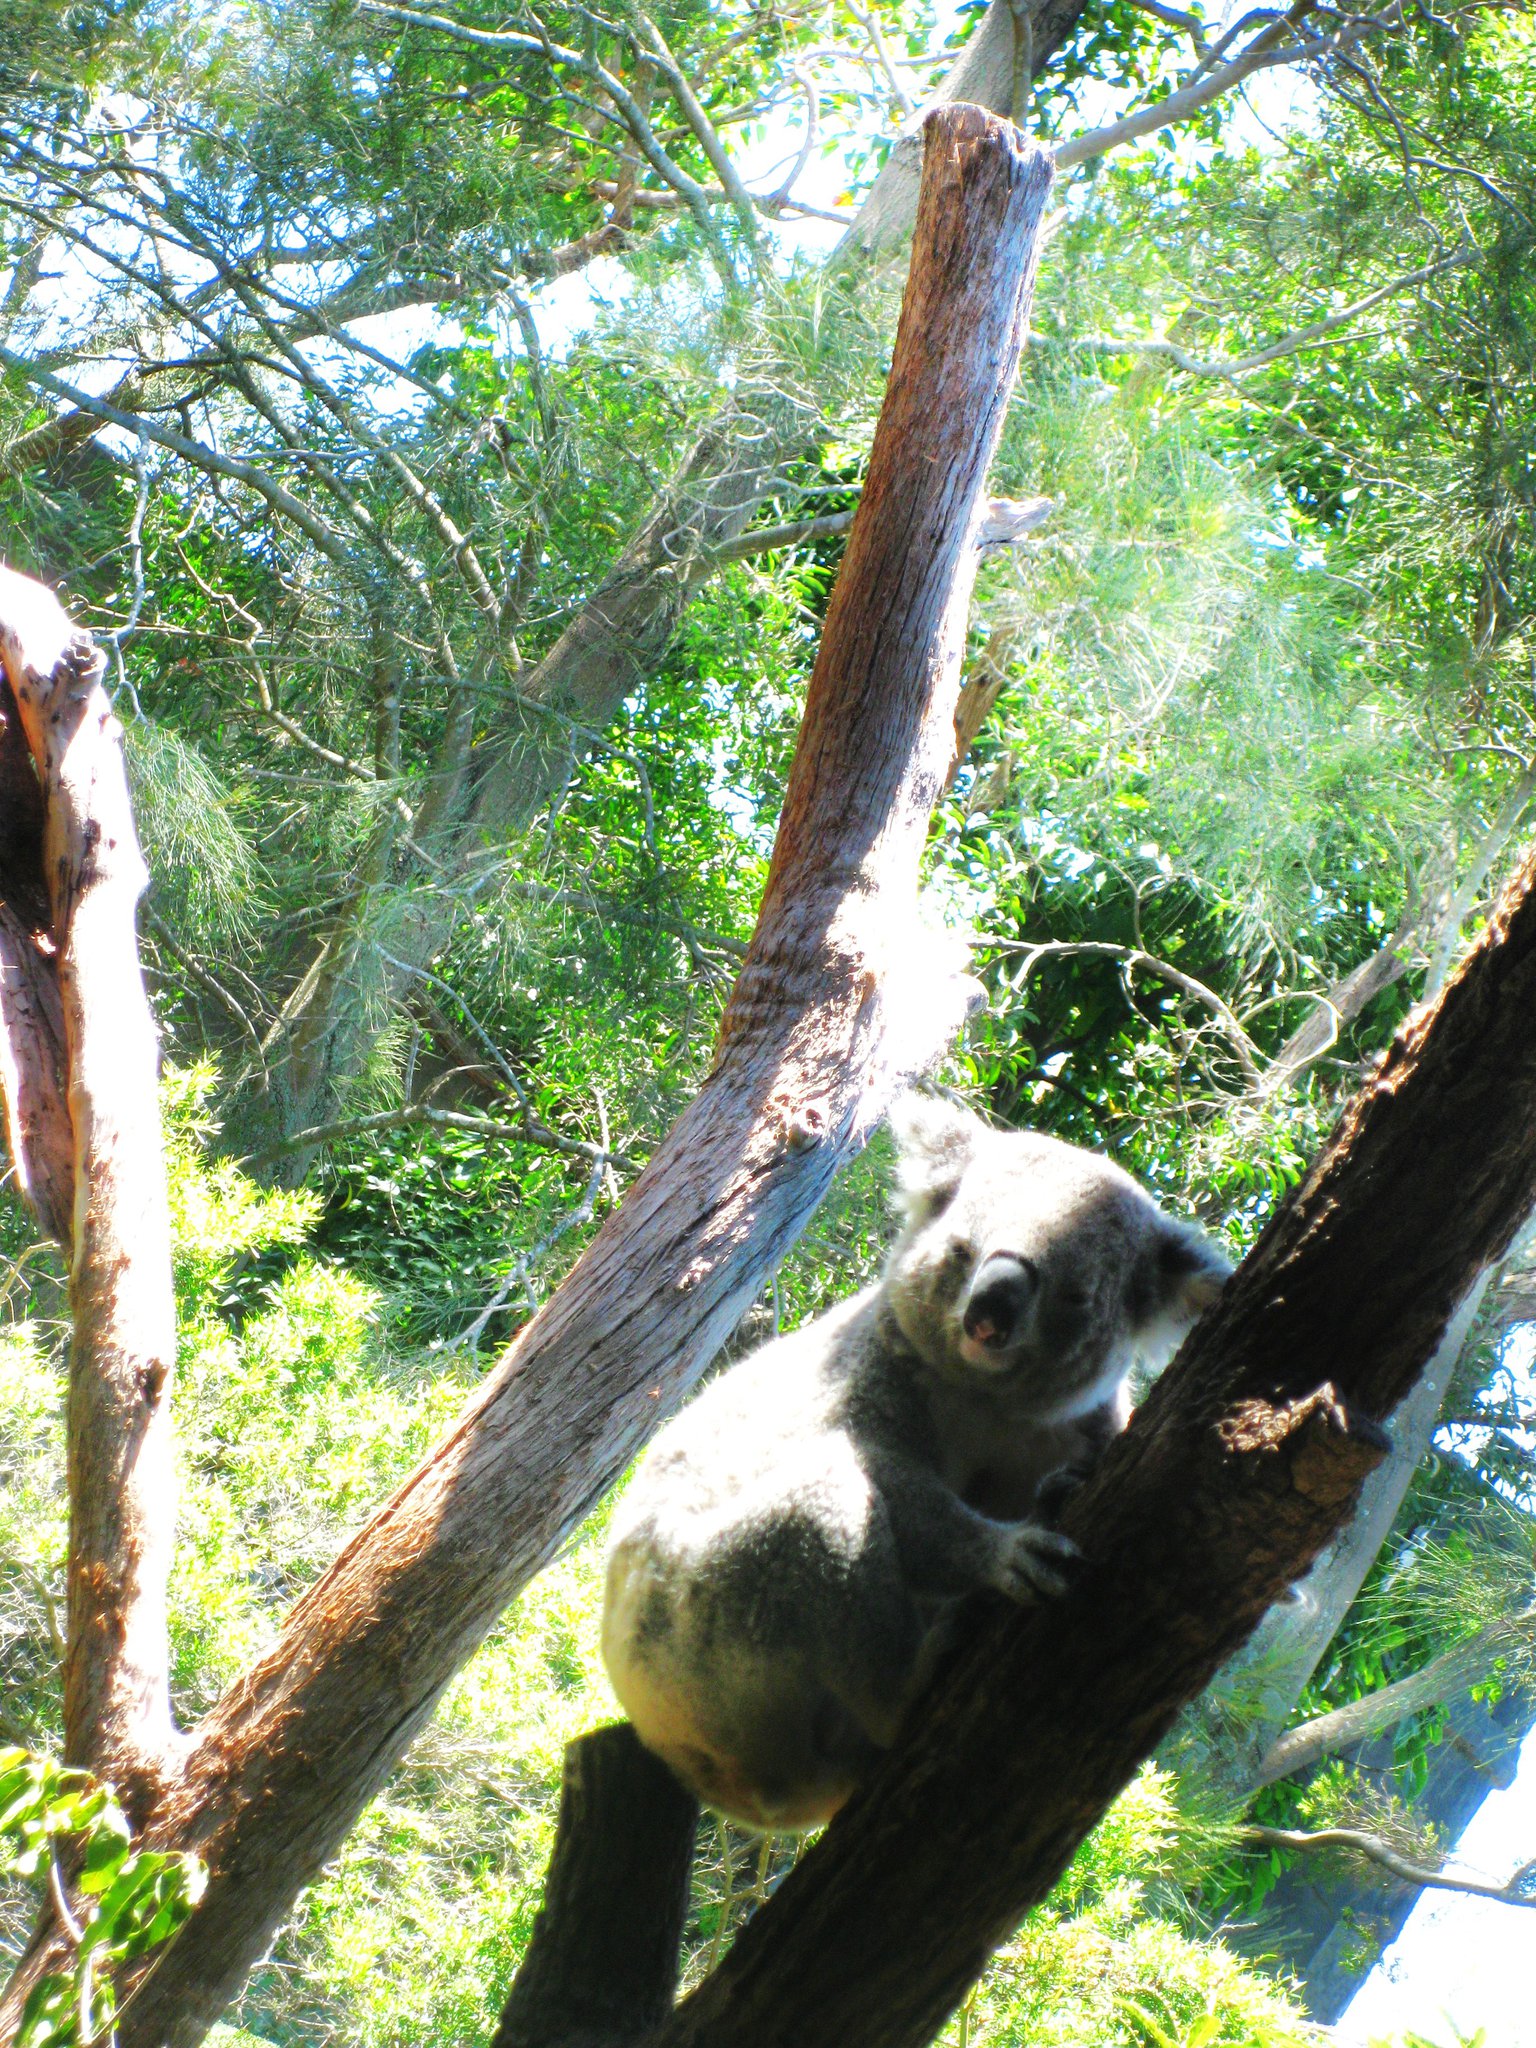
(1515, 1892)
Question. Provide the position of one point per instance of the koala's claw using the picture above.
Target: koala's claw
(1056, 1489)
(1030, 1561)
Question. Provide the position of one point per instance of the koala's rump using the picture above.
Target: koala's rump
(762, 1641)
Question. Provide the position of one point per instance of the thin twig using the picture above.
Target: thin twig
(529, 1132)
(1133, 958)
(1375, 1850)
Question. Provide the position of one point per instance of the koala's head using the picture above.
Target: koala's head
(1034, 1263)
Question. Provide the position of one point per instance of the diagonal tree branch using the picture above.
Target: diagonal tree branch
(1443, 1678)
(1516, 1892)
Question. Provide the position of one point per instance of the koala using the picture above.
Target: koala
(783, 1563)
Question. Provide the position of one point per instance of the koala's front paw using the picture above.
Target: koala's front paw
(1031, 1560)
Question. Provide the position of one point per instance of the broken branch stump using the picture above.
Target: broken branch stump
(601, 1969)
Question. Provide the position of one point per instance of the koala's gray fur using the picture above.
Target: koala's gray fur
(783, 1555)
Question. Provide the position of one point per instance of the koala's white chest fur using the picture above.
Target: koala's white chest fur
(780, 1559)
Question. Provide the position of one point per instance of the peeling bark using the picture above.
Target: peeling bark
(73, 986)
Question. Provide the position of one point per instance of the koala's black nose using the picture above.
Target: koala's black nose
(999, 1299)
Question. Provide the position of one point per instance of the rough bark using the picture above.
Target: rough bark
(121, 1479)
(1242, 1463)
(1254, 1698)
(602, 1965)
(841, 1001)
(33, 1060)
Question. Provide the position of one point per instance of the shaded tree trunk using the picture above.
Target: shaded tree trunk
(602, 1964)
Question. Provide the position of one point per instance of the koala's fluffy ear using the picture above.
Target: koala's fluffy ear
(1180, 1277)
(935, 1143)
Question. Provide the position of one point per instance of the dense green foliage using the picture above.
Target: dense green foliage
(133, 1899)
(379, 335)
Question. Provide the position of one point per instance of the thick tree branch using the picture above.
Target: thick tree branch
(603, 1961)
